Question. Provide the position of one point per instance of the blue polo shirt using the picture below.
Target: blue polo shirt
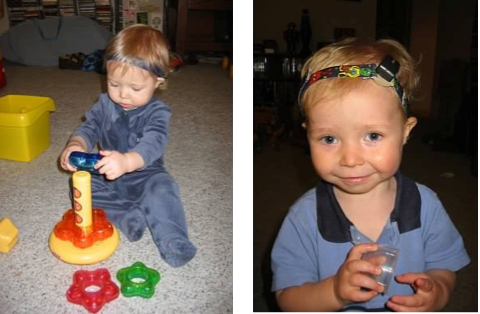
(316, 237)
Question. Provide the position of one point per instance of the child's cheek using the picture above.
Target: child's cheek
(387, 160)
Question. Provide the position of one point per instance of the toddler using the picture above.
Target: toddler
(354, 101)
(131, 128)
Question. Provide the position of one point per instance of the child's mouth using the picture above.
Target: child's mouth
(127, 106)
(354, 180)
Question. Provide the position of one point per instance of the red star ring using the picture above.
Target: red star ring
(92, 289)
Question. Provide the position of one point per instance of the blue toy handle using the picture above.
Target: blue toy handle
(84, 161)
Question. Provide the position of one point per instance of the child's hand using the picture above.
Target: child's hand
(352, 277)
(427, 290)
(64, 163)
(113, 164)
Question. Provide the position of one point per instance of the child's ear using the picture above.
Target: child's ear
(304, 125)
(407, 128)
(160, 80)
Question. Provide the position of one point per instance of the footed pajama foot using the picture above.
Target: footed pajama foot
(133, 225)
(177, 252)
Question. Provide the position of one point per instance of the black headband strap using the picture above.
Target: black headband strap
(142, 65)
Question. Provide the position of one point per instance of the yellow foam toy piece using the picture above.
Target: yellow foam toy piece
(8, 235)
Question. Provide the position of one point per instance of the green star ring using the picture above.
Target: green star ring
(138, 280)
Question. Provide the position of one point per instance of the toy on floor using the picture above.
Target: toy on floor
(8, 235)
(138, 280)
(24, 126)
(83, 236)
(176, 61)
(84, 161)
(92, 289)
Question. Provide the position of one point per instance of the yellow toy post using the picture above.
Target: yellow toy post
(84, 236)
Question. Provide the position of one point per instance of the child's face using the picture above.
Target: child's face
(130, 87)
(356, 140)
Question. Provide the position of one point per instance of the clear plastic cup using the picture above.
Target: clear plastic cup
(386, 259)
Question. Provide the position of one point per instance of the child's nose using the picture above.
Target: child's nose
(351, 156)
(123, 93)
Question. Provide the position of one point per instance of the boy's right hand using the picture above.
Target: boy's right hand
(351, 283)
(65, 164)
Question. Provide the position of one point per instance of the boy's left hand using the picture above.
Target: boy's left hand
(113, 164)
(427, 291)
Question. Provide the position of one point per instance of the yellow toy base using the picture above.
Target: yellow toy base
(69, 253)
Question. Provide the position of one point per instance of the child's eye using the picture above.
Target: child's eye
(113, 85)
(373, 137)
(137, 89)
(328, 140)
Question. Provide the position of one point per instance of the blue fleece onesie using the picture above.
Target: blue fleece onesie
(146, 197)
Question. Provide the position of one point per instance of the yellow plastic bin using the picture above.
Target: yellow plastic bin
(24, 126)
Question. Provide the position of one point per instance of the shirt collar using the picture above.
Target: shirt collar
(334, 226)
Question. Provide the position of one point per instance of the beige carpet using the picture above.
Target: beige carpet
(35, 195)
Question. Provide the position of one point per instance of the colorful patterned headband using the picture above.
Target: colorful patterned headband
(140, 64)
(387, 70)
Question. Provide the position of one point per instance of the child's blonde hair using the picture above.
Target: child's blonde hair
(140, 45)
(353, 51)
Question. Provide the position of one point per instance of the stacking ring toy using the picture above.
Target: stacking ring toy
(84, 161)
(92, 289)
(138, 280)
(83, 236)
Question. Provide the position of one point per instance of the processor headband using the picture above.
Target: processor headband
(387, 69)
(140, 64)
